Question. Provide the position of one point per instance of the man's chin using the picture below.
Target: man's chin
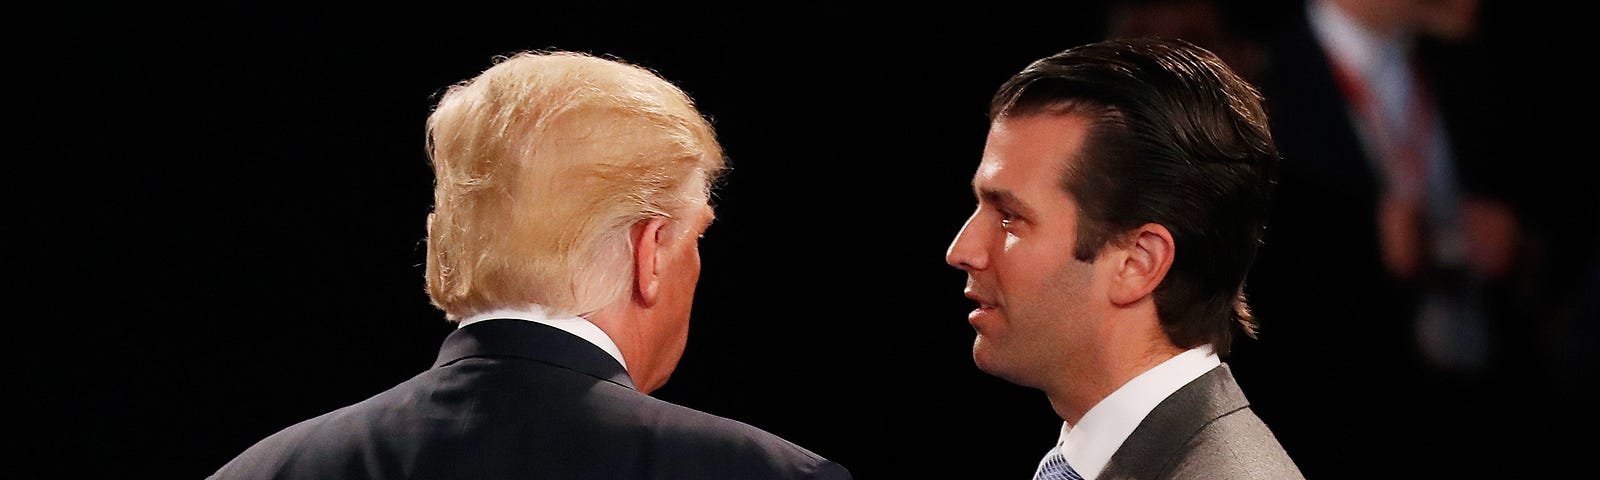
(983, 356)
(987, 359)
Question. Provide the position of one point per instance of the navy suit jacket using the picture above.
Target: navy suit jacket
(518, 399)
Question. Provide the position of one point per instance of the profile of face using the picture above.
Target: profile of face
(1036, 302)
(677, 269)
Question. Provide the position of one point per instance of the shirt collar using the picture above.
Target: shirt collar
(1089, 444)
(571, 324)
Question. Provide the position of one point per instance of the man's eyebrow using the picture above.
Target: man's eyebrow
(1006, 200)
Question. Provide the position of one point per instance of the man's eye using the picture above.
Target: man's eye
(1006, 218)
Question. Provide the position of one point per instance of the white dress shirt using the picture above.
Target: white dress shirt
(570, 324)
(1089, 444)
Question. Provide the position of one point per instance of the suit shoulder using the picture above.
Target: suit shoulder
(270, 455)
(751, 452)
(493, 419)
(1236, 445)
(321, 443)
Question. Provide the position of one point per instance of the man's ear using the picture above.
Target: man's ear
(1143, 258)
(646, 237)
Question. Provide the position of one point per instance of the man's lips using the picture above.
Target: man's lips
(984, 303)
(986, 306)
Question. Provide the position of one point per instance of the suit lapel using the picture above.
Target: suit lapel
(532, 341)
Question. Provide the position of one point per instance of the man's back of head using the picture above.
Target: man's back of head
(570, 195)
(543, 163)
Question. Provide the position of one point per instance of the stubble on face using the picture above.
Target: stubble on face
(1045, 328)
(1044, 316)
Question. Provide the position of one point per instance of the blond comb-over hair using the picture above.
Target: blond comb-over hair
(542, 165)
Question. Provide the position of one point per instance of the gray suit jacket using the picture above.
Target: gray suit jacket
(1205, 430)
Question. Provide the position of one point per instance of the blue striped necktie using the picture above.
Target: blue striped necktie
(1054, 467)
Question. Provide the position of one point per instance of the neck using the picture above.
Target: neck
(1133, 344)
(620, 320)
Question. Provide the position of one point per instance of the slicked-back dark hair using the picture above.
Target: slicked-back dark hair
(1177, 139)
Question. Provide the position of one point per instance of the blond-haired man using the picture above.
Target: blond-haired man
(571, 192)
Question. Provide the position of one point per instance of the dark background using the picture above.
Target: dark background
(220, 220)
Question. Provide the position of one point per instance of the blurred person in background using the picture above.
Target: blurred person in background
(1402, 284)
